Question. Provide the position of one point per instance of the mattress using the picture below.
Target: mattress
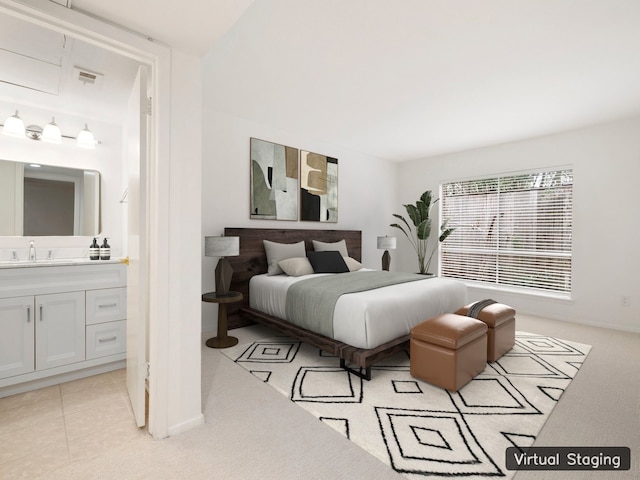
(368, 319)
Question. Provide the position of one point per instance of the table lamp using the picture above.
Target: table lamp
(386, 243)
(222, 247)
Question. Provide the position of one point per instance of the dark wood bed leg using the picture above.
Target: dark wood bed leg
(358, 373)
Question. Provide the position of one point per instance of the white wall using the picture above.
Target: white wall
(185, 233)
(366, 187)
(606, 262)
(105, 159)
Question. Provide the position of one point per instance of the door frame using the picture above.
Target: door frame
(158, 57)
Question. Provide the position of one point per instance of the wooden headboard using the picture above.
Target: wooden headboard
(253, 261)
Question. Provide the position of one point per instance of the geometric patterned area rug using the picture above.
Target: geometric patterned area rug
(416, 428)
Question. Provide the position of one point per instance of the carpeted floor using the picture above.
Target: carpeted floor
(418, 429)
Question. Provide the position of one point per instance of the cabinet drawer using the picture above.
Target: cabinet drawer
(106, 339)
(106, 305)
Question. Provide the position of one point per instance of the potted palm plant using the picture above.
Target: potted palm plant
(419, 230)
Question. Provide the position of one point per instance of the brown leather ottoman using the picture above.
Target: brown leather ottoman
(448, 351)
(501, 321)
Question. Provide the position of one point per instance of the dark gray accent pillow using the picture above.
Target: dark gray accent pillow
(327, 262)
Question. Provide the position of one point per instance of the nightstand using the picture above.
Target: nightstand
(222, 340)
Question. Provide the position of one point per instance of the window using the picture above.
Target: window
(510, 230)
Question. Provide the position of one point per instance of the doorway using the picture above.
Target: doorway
(157, 59)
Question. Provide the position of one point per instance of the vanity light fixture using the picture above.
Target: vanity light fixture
(14, 127)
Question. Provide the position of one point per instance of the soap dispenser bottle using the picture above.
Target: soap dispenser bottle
(94, 250)
(105, 250)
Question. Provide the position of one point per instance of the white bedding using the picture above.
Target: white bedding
(368, 319)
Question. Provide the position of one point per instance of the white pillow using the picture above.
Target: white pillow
(340, 246)
(353, 264)
(296, 267)
(281, 251)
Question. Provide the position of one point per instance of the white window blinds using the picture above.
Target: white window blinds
(511, 230)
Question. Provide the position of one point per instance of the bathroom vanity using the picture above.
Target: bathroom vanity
(60, 321)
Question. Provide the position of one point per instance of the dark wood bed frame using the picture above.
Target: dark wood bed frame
(252, 261)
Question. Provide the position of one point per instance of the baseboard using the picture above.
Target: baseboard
(621, 328)
(610, 326)
(188, 425)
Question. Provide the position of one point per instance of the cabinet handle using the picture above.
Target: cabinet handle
(28, 314)
(109, 339)
(108, 305)
(41, 315)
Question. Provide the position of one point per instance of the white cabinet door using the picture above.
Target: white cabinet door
(60, 335)
(16, 336)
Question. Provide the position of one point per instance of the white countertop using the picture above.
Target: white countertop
(58, 262)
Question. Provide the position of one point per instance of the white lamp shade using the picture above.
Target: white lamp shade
(85, 139)
(51, 132)
(386, 243)
(221, 246)
(14, 126)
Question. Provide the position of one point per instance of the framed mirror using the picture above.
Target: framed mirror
(42, 200)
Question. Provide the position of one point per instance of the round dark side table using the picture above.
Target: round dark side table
(222, 340)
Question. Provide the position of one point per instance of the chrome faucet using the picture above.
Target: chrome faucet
(32, 251)
(14, 255)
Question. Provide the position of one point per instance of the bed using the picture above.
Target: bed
(362, 334)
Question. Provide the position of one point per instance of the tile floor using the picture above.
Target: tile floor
(49, 428)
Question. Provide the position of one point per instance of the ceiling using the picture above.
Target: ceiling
(412, 79)
(395, 80)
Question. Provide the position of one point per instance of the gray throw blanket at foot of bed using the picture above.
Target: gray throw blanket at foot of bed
(310, 303)
(476, 308)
